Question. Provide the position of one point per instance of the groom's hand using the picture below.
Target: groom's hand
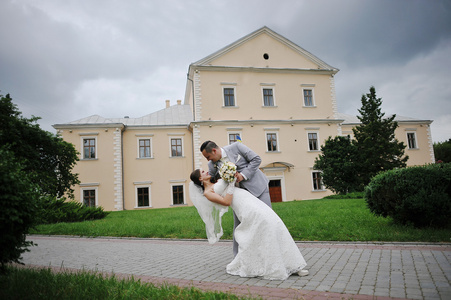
(239, 177)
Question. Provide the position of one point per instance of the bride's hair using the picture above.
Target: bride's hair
(195, 175)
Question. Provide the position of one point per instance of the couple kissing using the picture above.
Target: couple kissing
(262, 245)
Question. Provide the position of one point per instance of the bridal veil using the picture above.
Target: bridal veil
(210, 212)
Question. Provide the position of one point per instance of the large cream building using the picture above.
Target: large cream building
(274, 95)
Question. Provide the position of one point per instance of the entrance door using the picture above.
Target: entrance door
(275, 190)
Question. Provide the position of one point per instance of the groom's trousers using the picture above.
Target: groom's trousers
(265, 198)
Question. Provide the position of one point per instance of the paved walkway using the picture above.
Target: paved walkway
(337, 270)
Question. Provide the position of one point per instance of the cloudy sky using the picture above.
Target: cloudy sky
(65, 60)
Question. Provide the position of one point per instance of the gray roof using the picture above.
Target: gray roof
(173, 115)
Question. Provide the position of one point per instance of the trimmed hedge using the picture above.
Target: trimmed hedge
(352, 195)
(419, 196)
(60, 210)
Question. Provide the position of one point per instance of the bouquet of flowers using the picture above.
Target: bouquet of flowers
(227, 171)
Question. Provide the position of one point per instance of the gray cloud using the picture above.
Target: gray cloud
(67, 60)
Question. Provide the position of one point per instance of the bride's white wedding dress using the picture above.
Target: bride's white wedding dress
(265, 246)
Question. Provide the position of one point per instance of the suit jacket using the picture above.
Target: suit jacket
(247, 163)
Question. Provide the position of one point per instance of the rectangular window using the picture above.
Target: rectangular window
(143, 196)
(271, 139)
(268, 97)
(177, 195)
(89, 198)
(313, 141)
(176, 147)
(411, 140)
(144, 148)
(308, 98)
(317, 182)
(234, 137)
(89, 148)
(229, 97)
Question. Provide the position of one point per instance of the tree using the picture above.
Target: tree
(377, 148)
(338, 165)
(44, 154)
(35, 166)
(18, 199)
(442, 151)
(348, 166)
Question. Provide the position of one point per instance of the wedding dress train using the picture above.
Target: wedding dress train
(265, 246)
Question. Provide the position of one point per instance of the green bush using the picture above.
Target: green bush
(60, 210)
(420, 196)
(18, 200)
(353, 195)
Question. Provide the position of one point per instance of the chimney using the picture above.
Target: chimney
(179, 102)
(168, 103)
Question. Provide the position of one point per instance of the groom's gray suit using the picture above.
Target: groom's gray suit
(247, 163)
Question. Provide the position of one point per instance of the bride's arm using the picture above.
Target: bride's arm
(213, 197)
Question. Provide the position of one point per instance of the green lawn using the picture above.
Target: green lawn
(315, 220)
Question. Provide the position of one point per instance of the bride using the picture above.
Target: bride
(266, 247)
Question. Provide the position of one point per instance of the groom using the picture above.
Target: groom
(248, 173)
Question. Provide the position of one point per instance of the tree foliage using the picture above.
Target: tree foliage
(442, 151)
(19, 200)
(44, 154)
(34, 165)
(338, 165)
(377, 147)
(373, 150)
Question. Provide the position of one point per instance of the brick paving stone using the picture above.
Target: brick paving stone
(337, 270)
(397, 293)
(445, 294)
(414, 296)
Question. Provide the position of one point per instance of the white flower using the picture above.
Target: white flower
(227, 171)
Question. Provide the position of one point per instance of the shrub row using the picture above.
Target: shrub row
(352, 195)
(419, 196)
(60, 210)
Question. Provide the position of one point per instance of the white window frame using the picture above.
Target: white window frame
(143, 185)
(178, 183)
(322, 189)
(86, 187)
(415, 140)
(234, 132)
(268, 87)
(138, 139)
(90, 137)
(272, 131)
(234, 95)
(311, 88)
(176, 136)
(318, 146)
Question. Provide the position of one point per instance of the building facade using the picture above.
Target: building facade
(272, 94)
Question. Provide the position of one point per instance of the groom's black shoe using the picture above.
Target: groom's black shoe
(302, 273)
